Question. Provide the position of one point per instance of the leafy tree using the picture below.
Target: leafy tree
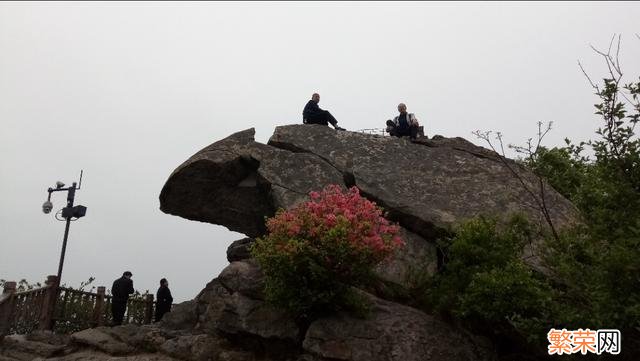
(594, 267)
(599, 261)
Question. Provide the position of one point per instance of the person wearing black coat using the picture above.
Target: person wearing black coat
(120, 291)
(163, 299)
(312, 114)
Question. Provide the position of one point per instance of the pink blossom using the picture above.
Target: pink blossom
(358, 224)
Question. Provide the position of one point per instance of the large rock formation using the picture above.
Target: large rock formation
(427, 186)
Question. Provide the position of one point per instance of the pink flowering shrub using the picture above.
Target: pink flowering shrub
(313, 253)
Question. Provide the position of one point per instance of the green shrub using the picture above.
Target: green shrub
(600, 279)
(484, 280)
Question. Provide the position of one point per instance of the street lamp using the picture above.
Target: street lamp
(68, 212)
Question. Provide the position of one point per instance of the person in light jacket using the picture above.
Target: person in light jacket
(405, 124)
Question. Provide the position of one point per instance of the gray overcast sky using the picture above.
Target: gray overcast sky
(128, 91)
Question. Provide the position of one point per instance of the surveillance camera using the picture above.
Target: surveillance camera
(59, 184)
(47, 207)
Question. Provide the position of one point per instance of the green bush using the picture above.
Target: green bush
(485, 282)
(600, 279)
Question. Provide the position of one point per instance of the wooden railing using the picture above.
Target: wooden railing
(63, 310)
(27, 307)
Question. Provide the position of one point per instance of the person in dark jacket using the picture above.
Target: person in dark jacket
(312, 114)
(120, 291)
(163, 299)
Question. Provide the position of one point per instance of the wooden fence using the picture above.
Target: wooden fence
(63, 310)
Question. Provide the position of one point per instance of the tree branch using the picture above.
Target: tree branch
(593, 85)
(540, 202)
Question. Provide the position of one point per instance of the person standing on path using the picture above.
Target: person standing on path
(120, 291)
(163, 299)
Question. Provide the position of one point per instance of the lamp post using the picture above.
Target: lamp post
(68, 212)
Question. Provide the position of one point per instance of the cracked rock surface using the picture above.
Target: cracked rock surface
(427, 186)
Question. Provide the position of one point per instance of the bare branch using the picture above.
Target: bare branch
(617, 65)
(606, 58)
(499, 138)
(597, 51)
(629, 101)
(611, 63)
(540, 202)
(593, 85)
(520, 149)
(611, 44)
(542, 134)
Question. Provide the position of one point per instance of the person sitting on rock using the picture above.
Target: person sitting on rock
(404, 124)
(312, 114)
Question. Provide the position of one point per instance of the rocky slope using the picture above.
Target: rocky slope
(229, 321)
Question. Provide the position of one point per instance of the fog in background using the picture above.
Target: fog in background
(128, 91)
